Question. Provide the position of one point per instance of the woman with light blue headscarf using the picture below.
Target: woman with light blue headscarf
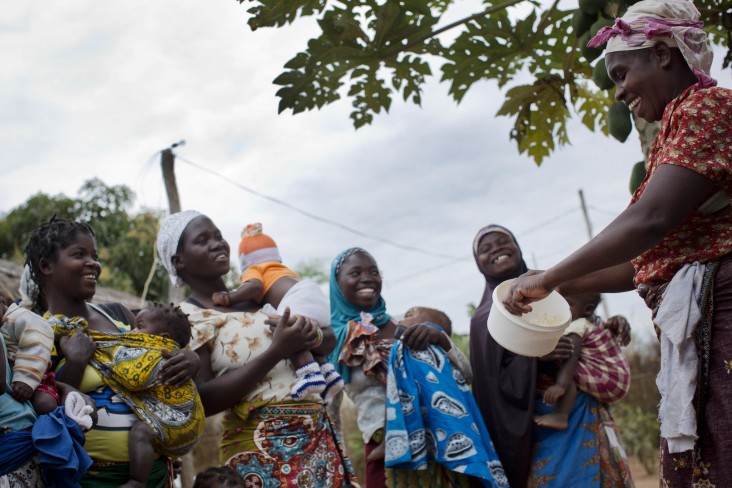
(365, 336)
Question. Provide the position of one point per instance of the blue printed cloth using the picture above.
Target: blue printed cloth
(432, 417)
(588, 453)
(58, 442)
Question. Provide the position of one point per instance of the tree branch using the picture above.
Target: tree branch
(542, 24)
(457, 23)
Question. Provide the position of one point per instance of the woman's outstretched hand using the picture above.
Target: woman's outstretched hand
(527, 288)
(181, 366)
(294, 333)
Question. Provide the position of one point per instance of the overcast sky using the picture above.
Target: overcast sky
(97, 88)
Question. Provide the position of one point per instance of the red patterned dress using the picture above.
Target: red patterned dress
(696, 133)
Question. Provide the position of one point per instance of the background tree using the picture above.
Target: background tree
(373, 50)
(126, 240)
(314, 269)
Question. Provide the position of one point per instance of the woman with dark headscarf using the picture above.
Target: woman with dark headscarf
(504, 382)
(507, 388)
(673, 242)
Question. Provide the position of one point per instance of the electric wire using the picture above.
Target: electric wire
(318, 218)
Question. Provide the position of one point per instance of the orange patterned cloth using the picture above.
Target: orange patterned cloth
(695, 133)
(364, 349)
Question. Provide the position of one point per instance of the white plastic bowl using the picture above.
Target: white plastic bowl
(533, 334)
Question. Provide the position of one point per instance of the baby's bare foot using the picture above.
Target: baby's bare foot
(556, 421)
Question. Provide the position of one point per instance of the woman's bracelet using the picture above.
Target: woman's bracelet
(320, 338)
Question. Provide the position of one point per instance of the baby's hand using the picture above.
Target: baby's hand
(21, 391)
(552, 394)
(620, 327)
(221, 299)
(420, 336)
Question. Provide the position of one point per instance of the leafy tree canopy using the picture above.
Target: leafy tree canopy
(126, 240)
(374, 50)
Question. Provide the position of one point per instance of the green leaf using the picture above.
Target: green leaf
(542, 116)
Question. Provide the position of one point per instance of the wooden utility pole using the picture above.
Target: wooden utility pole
(590, 235)
(167, 161)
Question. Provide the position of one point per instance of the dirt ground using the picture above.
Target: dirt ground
(640, 477)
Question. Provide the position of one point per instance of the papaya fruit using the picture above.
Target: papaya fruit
(618, 121)
(637, 174)
(590, 53)
(600, 76)
(592, 7)
(581, 22)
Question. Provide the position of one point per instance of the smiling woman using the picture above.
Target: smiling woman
(673, 242)
(506, 387)
(63, 259)
(365, 336)
(268, 437)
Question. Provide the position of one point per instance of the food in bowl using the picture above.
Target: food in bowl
(533, 334)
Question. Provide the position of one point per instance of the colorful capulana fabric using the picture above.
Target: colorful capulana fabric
(130, 364)
(234, 339)
(602, 370)
(289, 444)
(695, 133)
(364, 349)
(432, 417)
(587, 454)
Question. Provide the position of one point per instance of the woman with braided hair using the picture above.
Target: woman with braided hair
(63, 259)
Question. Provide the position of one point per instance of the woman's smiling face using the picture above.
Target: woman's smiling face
(75, 269)
(498, 255)
(360, 281)
(640, 82)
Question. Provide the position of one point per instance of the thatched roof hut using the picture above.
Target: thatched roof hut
(10, 281)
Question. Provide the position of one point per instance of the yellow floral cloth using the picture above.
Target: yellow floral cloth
(130, 364)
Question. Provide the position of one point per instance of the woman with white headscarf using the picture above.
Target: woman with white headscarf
(268, 438)
(673, 242)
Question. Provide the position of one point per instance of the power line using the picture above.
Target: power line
(452, 259)
(324, 220)
(425, 271)
(546, 222)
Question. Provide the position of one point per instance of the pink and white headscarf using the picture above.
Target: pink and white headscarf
(675, 22)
